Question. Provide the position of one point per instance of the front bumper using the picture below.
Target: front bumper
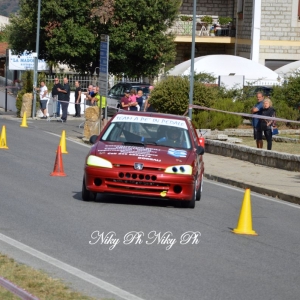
(152, 184)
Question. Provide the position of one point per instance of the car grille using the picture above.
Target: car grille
(136, 181)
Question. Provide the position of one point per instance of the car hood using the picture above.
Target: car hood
(149, 155)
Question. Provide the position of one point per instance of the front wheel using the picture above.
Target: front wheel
(191, 203)
(87, 195)
(199, 191)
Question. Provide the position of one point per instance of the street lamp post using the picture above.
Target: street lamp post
(36, 58)
(192, 61)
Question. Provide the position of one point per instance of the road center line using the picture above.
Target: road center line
(71, 270)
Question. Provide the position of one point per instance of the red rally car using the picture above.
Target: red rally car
(148, 155)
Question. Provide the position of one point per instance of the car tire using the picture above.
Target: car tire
(199, 191)
(191, 203)
(87, 195)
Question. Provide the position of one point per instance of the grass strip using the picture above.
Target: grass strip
(37, 283)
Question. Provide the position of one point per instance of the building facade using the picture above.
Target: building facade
(266, 31)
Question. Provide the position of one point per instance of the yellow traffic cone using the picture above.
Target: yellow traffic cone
(3, 144)
(62, 143)
(24, 120)
(244, 225)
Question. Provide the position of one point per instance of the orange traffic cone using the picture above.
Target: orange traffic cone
(244, 225)
(24, 120)
(58, 169)
(3, 144)
(62, 143)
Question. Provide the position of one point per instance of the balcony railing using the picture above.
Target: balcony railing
(184, 28)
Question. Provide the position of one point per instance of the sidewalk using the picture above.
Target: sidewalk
(274, 182)
(281, 184)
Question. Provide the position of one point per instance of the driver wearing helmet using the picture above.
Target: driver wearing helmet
(172, 138)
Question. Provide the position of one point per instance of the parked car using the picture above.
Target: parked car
(146, 155)
(117, 92)
(267, 91)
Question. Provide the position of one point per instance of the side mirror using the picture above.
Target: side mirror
(93, 139)
(201, 141)
(200, 150)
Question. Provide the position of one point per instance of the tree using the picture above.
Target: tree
(70, 32)
(139, 42)
(65, 31)
(290, 91)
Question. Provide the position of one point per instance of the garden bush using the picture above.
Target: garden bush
(172, 95)
(218, 120)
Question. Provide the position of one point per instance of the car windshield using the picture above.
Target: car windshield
(148, 130)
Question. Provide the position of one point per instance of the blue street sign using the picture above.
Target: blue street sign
(103, 68)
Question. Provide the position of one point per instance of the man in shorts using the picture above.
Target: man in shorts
(257, 109)
(43, 99)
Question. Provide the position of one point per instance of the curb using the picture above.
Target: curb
(254, 188)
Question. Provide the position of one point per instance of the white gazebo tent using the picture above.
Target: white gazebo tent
(224, 65)
(289, 69)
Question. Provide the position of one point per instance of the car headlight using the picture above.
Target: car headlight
(181, 169)
(97, 161)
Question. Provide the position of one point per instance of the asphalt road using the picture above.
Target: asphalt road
(47, 214)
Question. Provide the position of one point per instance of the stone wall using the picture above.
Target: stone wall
(204, 7)
(279, 22)
(273, 159)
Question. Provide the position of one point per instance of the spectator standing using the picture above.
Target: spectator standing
(65, 102)
(257, 109)
(89, 94)
(147, 104)
(96, 96)
(267, 125)
(132, 100)
(57, 95)
(125, 100)
(77, 99)
(43, 99)
(99, 100)
(139, 99)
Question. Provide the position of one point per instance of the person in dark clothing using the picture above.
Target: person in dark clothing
(125, 105)
(266, 125)
(151, 108)
(139, 100)
(77, 99)
(65, 101)
(57, 95)
(256, 122)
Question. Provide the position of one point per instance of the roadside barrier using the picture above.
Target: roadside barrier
(241, 114)
(16, 290)
(3, 144)
(58, 169)
(24, 120)
(244, 225)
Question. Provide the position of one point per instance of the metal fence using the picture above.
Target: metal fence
(12, 88)
(85, 81)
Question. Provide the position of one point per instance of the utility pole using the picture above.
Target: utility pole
(191, 95)
(35, 71)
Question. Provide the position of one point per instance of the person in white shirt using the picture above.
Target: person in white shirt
(43, 99)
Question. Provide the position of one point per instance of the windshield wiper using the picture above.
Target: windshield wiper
(135, 144)
(151, 143)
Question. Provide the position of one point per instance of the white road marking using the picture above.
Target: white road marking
(71, 270)
(76, 142)
(256, 194)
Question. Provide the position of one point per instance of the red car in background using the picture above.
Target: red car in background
(148, 155)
